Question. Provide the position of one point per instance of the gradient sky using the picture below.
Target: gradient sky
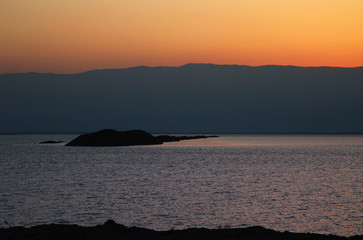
(68, 36)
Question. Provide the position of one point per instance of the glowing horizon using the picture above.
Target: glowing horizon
(74, 36)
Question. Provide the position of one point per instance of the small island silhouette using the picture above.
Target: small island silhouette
(112, 138)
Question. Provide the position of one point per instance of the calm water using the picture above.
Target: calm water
(300, 183)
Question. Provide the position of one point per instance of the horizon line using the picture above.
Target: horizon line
(188, 133)
(180, 66)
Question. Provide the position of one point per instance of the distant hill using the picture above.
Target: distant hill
(194, 98)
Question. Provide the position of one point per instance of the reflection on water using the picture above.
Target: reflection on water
(273, 140)
(300, 183)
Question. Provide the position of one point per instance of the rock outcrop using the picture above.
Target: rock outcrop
(111, 230)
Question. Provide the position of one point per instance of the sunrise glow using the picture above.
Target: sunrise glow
(71, 36)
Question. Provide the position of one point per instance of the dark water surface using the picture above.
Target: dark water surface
(300, 183)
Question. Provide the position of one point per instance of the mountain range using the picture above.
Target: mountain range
(193, 98)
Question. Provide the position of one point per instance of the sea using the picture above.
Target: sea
(297, 183)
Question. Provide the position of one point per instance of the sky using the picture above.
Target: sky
(69, 36)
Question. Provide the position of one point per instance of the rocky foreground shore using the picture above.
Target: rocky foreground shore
(111, 230)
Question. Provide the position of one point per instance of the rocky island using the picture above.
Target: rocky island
(112, 138)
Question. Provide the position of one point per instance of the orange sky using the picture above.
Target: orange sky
(68, 36)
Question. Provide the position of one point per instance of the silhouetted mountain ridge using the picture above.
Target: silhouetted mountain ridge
(200, 98)
(188, 65)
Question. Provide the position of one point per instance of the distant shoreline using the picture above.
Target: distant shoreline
(112, 230)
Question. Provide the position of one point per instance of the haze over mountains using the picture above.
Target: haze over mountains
(194, 98)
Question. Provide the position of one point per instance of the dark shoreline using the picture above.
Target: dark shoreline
(112, 230)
